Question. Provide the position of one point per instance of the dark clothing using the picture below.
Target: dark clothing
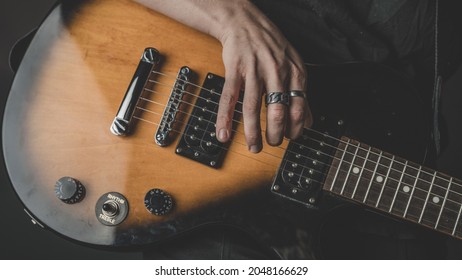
(398, 33)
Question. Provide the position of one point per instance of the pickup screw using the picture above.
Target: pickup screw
(209, 76)
(340, 122)
(185, 70)
(312, 200)
(179, 150)
(213, 163)
(276, 188)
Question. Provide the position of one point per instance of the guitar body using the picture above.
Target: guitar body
(68, 90)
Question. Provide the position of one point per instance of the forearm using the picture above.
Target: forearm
(208, 16)
(257, 58)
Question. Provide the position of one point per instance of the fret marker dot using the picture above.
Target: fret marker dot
(355, 170)
(406, 189)
(436, 199)
(379, 179)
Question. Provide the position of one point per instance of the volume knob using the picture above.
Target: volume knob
(158, 202)
(69, 190)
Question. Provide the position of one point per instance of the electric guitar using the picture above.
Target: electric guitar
(110, 149)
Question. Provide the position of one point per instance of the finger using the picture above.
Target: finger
(251, 112)
(298, 109)
(276, 114)
(228, 99)
(308, 118)
(275, 123)
(296, 117)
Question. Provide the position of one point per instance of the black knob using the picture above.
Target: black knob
(158, 202)
(69, 190)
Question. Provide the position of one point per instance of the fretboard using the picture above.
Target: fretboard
(394, 185)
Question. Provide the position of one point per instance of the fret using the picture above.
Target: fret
(360, 176)
(385, 183)
(355, 171)
(444, 203)
(367, 175)
(374, 177)
(334, 181)
(390, 189)
(434, 205)
(350, 168)
(412, 192)
(428, 195)
(457, 221)
(398, 186)
(403, 190)
(450, 218)
(378, 183)
(423, 186)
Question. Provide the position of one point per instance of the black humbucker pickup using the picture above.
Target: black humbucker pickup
(304, 167)
(198, 141)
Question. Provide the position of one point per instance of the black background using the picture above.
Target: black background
(20, 239)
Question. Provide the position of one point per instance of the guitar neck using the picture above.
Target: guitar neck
(396, 186)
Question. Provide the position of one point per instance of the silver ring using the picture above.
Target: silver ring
(277, 97)
(297, 93)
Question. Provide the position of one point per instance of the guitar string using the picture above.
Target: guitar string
(413, 207)
(361, 148)
(262, 121)
(236, 131)
(190, 83)
(378, 163)
(187, 103)
(333, 157)
(213, 92)
(194, 95)
(217, 146)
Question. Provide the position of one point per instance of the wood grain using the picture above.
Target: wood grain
(66, 95)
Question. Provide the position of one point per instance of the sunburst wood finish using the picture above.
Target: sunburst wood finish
(66, 95)
(71, 83)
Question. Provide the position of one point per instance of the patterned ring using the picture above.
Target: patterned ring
(297, 93)
(277, 97)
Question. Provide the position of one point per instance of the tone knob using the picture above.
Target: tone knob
(69, 190)
(158, 202)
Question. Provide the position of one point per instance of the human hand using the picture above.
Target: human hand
(259, 59)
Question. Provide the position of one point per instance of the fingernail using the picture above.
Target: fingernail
(254, 148)
(223, 134)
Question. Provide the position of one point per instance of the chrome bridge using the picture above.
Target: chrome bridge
(171, 109)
